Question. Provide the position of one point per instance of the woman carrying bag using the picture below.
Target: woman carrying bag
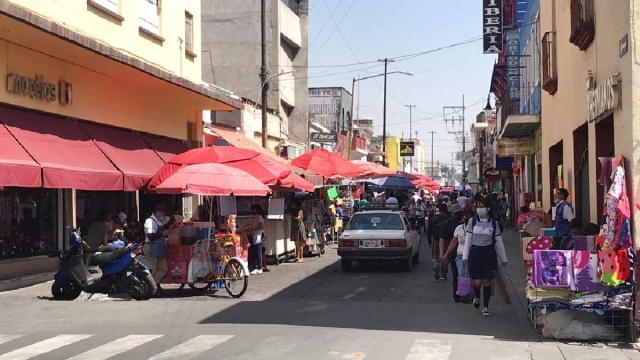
(482, 249)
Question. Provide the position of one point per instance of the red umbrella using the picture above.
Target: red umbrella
(373, 169)
(260, 166)
(212, 179)
(327, 164)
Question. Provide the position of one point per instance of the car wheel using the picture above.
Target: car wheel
(416, 258)
(407, 265)
(346, 265)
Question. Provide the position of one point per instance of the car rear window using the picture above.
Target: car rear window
(375, 221)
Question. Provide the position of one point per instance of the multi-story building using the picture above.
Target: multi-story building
(590, 79)
(97, 95)
(231, 53)
(391, 152)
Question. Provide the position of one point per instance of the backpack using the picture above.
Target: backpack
(494, 223)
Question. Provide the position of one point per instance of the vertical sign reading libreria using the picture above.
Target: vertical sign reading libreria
(492, 26)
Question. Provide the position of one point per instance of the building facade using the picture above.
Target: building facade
(590, 78)
(331, 108)
(231, 52)
(97, 96)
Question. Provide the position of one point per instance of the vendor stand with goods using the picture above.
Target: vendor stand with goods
(582, 288)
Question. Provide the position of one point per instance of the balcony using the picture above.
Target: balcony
(518, 126)
(549, 69)
(583, 27)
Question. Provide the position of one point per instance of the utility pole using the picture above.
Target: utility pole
(263, 72)
(410, 138)
(453, 115)
(384, 112)
(432, 132)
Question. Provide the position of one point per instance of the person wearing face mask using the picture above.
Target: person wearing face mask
(155, 243)
(564, 213)
(483, 247)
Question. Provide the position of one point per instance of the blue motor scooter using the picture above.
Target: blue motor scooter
(124, 271)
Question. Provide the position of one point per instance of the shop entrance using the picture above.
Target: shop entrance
(90, 203)
(604, 148)
(581, 169)
(555, 168)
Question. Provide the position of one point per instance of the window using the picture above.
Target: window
(188, 33)
(583, 30)
(28, 222)
(294, 5)
(288, 49)
(549, 70)
(150, 16)
(111, 7)
(375, 221)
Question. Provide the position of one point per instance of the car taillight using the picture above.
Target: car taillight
(346, 242)
(398, 243)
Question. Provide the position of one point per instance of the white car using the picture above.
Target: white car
(379, 235)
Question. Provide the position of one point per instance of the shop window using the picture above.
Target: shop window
(549, 69)
(149, 14)
(110, 7)
(28, 222)
(188, 34)
(583, 27)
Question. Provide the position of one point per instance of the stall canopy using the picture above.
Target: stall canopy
(239, 140)
(392, 182)
(128, 152)
(325, 163)
(256, 164)
(17, 168)
(372, 170)
(56, 144)
(165, 148)
(212, 179)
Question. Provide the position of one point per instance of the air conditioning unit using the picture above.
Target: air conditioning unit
(591, 81)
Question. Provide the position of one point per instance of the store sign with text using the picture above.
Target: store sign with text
(516, 146)
(492, 26)
(407, 148)
(329, 138)
(513, 63)
(604, 98)
(37, 88)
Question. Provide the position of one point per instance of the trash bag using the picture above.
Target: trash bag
(578, 326)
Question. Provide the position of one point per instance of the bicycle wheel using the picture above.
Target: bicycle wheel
(235, 280)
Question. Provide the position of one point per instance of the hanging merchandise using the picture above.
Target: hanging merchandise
(552, 268)
(617, 207)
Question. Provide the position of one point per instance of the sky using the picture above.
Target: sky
(369, 30)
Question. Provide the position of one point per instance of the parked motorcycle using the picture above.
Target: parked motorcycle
(124, 271)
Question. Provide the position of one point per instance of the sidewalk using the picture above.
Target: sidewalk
(25, 281)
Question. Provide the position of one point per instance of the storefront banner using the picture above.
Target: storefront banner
(407, 148)
(492, 26)
(516, 146)
(325, 107)
(513, 63)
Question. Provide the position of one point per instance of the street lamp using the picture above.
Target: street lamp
(488, 107)
(384, 125)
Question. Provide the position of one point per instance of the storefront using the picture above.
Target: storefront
(83, 128)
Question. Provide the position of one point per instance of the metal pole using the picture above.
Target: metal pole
(464, 145)
(263, 72)
(481, 171)
(432, 132)
(351, 120)
(384, 115)
(410, 138)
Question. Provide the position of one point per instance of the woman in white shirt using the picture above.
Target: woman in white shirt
(257, 239)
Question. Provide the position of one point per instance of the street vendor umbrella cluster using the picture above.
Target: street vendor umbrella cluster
(327, 164)
(392, 182)
(212, 179)
(373, 170)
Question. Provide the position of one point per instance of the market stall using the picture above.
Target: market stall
(581, 288)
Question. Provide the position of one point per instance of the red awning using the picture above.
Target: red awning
(17, 168)
(128, 152)
(69, 159)
(166, 148)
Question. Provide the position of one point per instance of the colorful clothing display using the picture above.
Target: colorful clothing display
(552, 268)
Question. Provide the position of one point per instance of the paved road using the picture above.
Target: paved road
(297, 311)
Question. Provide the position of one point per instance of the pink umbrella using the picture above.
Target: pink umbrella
(327, 164)
(212, 179)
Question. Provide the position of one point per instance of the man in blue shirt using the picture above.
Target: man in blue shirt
(564, 213)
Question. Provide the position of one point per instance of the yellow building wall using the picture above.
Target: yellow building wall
(125, 36)
(392, 151)
(104, 91)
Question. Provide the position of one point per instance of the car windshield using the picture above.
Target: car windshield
(375, 221)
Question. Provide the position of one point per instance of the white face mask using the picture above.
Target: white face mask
(557, 201)
(165, 220)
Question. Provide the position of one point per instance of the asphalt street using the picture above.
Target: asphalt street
(297, 311)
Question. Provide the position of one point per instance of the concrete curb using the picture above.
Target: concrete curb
(25, 281)
(511, 296)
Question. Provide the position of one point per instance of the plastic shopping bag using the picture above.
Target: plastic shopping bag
(465, 284)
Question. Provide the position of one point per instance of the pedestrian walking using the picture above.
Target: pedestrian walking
(447, 250)
(257, 239)
(482, 249)
(433, 235)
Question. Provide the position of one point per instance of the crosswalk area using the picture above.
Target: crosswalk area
(165, 347)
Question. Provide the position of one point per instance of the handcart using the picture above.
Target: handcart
(207, 264)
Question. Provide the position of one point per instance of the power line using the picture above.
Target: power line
(336, 28)
(331, 12)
